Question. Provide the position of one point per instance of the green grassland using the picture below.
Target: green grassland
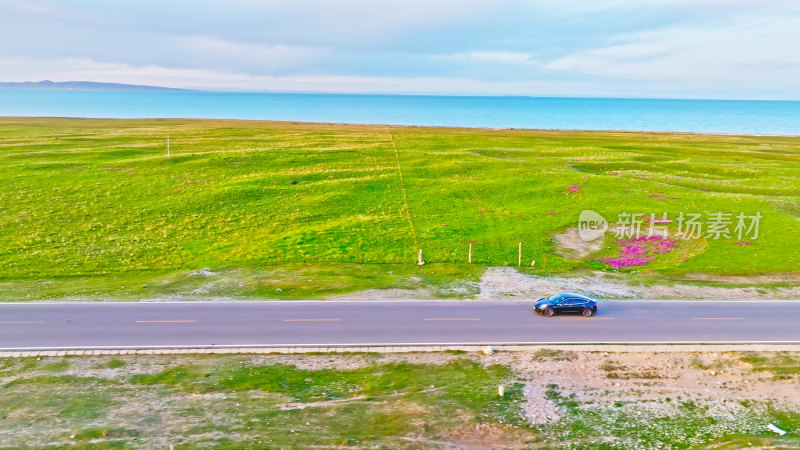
(358, 401)
(782, 365)
(95, 207)
(227, 402)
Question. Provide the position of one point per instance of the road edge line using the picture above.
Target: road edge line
(411, 348)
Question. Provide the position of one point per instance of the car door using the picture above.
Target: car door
(579, 304)
(570, 305)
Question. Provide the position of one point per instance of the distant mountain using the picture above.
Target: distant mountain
(82, 86)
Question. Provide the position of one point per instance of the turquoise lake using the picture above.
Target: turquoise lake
(702, 116)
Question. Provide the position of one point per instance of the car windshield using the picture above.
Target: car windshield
(556, 298)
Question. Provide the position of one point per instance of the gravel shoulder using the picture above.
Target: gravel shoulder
(504, 283)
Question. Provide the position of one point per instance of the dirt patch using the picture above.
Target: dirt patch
(386, 294)
(499, 282)
(718, 378)
(571, 246)
(693, 292)
(504, 282)
(322, 404)
(634, 381)
(484, 435)
(537, 407)
(789, 277)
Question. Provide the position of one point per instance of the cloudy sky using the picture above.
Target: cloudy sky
(635, 48)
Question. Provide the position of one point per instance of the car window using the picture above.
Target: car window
(571, 302)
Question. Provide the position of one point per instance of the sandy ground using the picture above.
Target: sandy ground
(719, 379)
(649, 382)
(498, 282)
(504, 283)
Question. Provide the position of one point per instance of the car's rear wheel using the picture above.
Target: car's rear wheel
(549, 312)
(587, 312)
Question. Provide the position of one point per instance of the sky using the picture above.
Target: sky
(727, 49)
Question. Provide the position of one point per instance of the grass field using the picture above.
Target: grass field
(376, 401)
(221, 402)
(96, 208)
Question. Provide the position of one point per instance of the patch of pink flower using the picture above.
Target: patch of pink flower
(639, 251)
(574, 188)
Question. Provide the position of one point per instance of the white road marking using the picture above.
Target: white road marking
(385, 344)
(717, 318)
(312, 320)
(165, 321)
(452, 318)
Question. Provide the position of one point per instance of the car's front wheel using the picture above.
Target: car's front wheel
(548, 312)
(587, 312)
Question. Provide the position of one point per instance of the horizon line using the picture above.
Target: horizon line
(229, 90)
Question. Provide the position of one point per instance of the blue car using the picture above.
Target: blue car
(566, 303)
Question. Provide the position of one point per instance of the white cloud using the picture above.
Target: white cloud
(82, 69)
(498, 56)
(746, 53)
(669, 48)
(88, 70)
(235, 55)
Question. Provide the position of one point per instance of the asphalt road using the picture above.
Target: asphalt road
(102, 325)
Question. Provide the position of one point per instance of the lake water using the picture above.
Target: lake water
(704, 116)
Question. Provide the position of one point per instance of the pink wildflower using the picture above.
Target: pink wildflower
(639, 251)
